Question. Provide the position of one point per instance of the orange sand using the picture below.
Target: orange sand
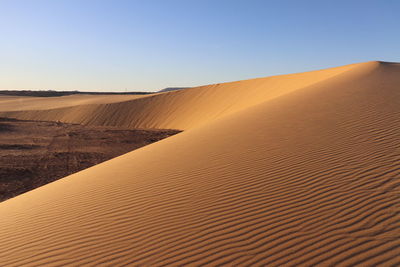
(292, 170)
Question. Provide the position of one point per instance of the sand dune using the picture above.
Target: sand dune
(183, 109)
(18, 103)
(298, 178)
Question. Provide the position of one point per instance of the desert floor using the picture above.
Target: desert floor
(34, 153)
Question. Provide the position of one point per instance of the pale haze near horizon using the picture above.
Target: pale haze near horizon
(150, 45)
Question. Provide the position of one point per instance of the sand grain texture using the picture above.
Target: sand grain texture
(306, 177)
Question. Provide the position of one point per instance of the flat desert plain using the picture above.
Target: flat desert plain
(291, 170)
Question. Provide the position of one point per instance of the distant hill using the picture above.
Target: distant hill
(172, 89)
(52, 93)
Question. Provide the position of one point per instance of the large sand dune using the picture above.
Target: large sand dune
(182, 110)
(303, 174)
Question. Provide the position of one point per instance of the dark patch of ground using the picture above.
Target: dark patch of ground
(35, 153)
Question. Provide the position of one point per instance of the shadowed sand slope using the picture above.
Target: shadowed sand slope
(308, 178)
(182, 109)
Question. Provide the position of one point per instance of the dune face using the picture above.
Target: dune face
(182, 109)
(16, 103)
(305, 174)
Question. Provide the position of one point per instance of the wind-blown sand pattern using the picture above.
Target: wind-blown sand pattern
(293, 170)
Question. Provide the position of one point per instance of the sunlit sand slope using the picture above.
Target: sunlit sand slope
(309, 178)
(19, 103)
(183, 109)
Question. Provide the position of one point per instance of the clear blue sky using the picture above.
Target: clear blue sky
(148, 44)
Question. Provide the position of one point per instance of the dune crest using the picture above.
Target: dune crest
(305, 176)
(183, 109)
